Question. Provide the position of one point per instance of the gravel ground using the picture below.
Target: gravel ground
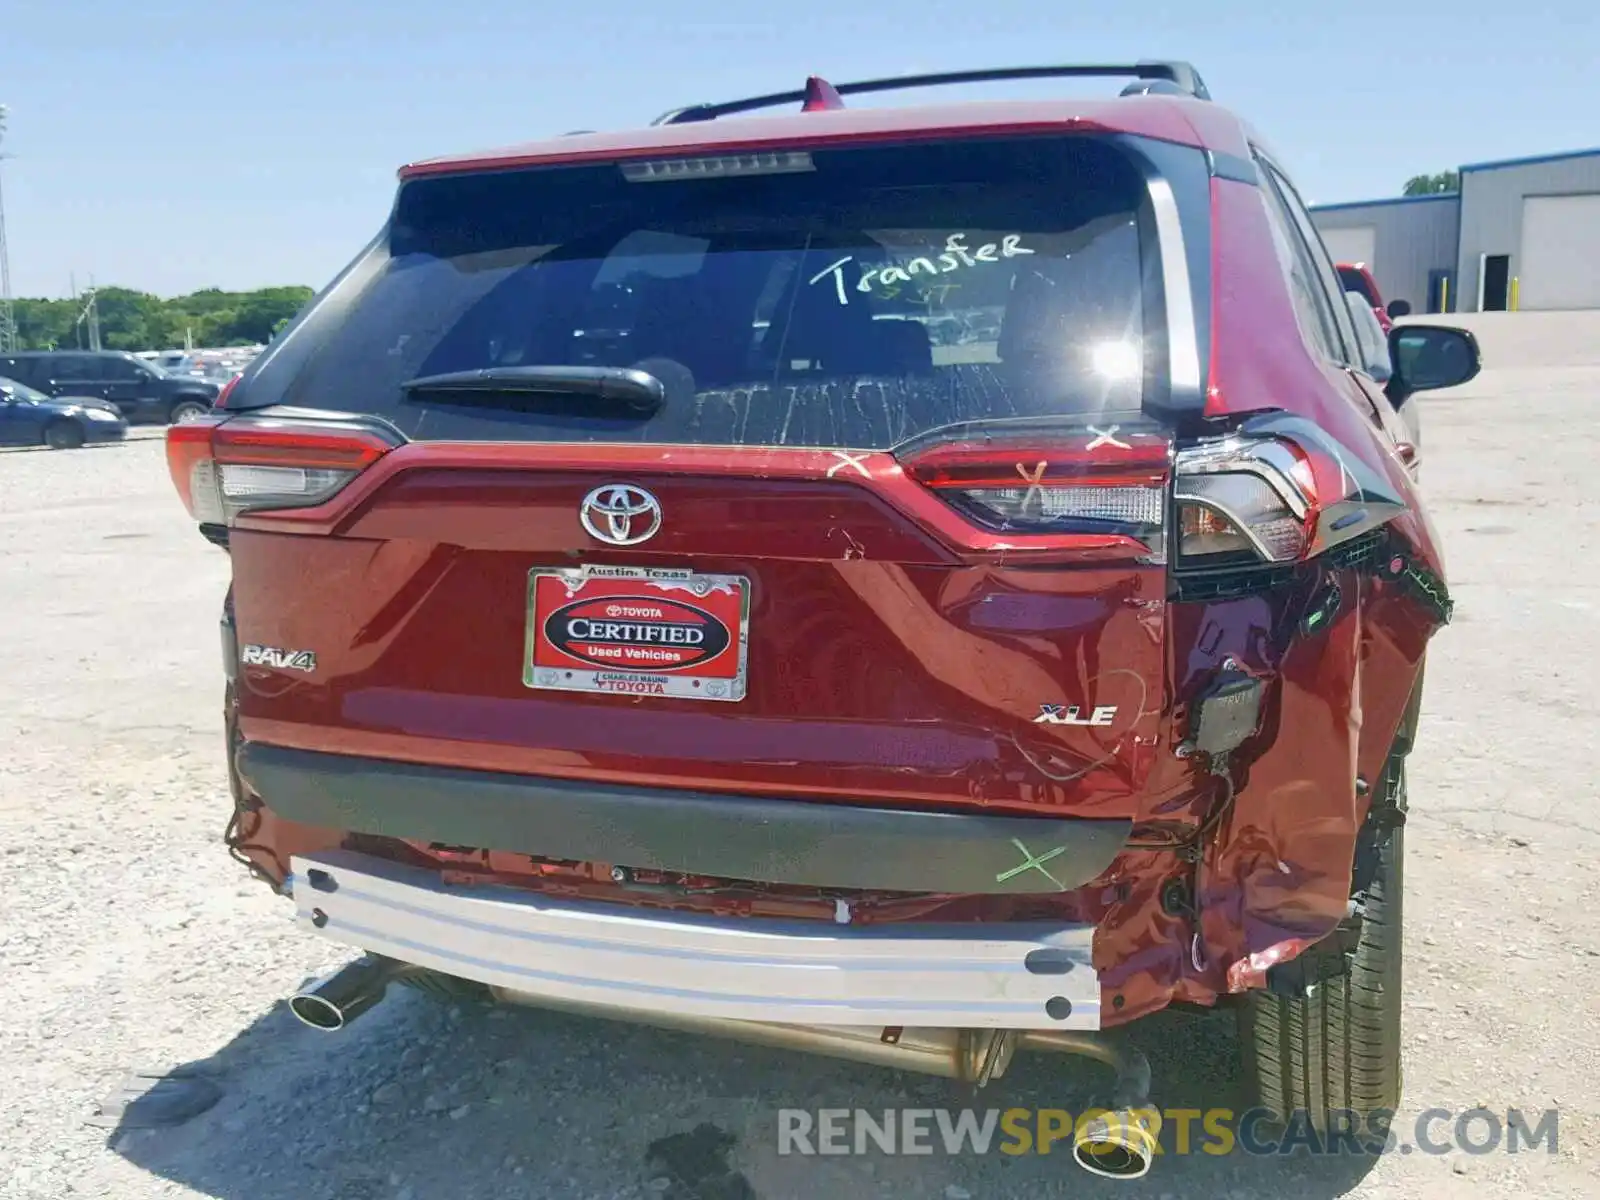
(130, 941)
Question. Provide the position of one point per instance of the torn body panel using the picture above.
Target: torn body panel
(1275, 877)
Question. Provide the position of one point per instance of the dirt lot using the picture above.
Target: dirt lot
(129, 940)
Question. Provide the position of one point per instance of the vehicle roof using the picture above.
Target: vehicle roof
(1200, 123)
(67, 350)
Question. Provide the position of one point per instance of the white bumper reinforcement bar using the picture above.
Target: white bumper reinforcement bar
(1013, 976)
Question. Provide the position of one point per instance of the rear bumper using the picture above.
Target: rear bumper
(727, 836)
(1016, 976)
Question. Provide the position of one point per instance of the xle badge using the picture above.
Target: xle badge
(1071, 714)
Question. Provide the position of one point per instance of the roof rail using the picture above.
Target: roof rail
(1181, 75)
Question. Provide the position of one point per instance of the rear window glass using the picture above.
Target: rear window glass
(20, 369)
(880, 294)
(1354, 281)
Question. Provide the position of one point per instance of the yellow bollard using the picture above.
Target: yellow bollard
(1444, 294)
(1514, 290)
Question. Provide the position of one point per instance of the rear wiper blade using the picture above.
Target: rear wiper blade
(638, 390)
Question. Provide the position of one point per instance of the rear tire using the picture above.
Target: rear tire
(63, 435)
(1338, 1050)
(185, 411)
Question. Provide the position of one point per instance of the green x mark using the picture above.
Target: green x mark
(1032, 863)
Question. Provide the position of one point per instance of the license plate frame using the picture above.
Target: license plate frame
(637, 631)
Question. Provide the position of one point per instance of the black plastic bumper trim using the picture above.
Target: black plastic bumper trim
(799, 842)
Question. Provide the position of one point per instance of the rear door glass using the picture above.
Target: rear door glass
(877, 295)
(123, 370)
(75, 368)
(1354, 281)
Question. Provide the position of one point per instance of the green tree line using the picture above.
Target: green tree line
(131, 320)
(1433, 185)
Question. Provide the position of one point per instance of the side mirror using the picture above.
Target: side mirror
(1429, 357)
(1399, 308)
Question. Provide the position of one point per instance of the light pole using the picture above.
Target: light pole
(8, 324)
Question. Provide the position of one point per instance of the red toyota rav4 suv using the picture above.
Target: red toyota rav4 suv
(908, 583)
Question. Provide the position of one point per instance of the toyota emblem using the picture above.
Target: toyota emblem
(620, 514)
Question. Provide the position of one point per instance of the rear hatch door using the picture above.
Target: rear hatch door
(891, 529)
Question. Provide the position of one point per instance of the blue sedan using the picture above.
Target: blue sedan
(30, 418)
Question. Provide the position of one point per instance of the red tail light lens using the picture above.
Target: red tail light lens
(1102, 481)
(188, 447)
(223, 467)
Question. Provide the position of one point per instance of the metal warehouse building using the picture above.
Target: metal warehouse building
(1523, 233)
(1408, 243)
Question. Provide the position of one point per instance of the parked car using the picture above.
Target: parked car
(142, 392)
(1357, 278)
(30, 418)
(1378, 349)
(209, 365)
(771, 670)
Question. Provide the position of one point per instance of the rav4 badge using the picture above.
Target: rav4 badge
(283, 660)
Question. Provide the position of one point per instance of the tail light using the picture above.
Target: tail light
(1278, 491)
(225, 466)
(1109, 480)
(1242, 499)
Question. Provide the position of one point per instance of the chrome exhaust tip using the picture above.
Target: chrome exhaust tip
(332, 1003)
(1117, 1145)
(317, 1012)
(1119, 1142)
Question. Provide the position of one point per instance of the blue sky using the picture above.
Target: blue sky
(175, 144)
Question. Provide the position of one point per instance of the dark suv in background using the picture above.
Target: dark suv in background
(141, 392)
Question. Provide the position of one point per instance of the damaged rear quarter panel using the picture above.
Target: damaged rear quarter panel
(1279, 874)
(1276, 876)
